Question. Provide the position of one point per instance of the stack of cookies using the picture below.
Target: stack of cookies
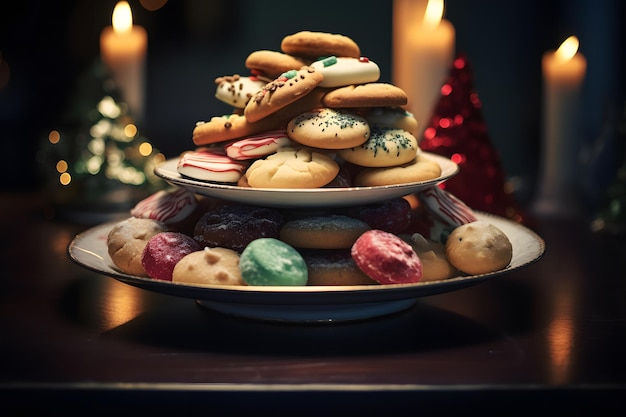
(311, 115)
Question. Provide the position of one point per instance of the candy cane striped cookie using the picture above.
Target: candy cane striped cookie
(212, 166)
(446, 207)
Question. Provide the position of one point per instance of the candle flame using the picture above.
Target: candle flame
(568, 49)
(122, 17)
(433, 14)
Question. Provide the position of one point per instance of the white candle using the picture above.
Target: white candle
(563, 75)
(123, 49)
(422, 55)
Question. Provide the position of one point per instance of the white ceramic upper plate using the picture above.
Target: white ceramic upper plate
(306, 303)
(302, 197)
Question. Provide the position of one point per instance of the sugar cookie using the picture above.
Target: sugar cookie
(435, 264)
(328, 129)
(318, 44)
(292, 168)
(210, 266)
(237, 90)
(273, 63)
(365, 95)
(385, 147)
(341, 71)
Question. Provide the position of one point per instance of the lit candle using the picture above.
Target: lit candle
(123, 49)
(422, 56)
(563, 75)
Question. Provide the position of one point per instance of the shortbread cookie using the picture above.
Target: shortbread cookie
(210, 266)
(478, 248)
(420, 169)
(284, 90)
(385, 147)
(127, 240)
(319, 44)
(342, 71)
(333, 267)
(323, 232)
(328, 129)
(291, 168)
(237, 90)
(366, 95)
(271, 64)
(435, 264)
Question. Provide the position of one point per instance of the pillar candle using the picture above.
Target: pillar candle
(123, 49)
(563, 74)
(422, 54)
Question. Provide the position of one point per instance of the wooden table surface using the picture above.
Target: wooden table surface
(551, 335)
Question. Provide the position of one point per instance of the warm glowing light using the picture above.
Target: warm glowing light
(122, 17)
(130, 130)
(433, 14)
(145, 149)
(61, 166)
(568, 49)
(65, 178)
(54, 137)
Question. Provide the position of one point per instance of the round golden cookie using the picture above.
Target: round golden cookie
(478, 248)
(435, 264)
(333, 267)
(273, 63)
(287, 88)
(396, 117)
(420, 169)
(210, 266)
(127, 240)
(385, 147)
(365, 95)
(323, 232)
(328, 129)
(292, 168)
(318, 44)
(236, 126)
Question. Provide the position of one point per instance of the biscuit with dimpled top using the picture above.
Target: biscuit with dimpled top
(271, 64)
(318, 44)
(366, 95)
(292, 168)
(284, 90)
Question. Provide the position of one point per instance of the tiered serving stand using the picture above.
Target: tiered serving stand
(305, 304)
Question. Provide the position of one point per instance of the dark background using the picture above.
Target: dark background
(49, 45)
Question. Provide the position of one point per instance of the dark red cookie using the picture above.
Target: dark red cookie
(163, 251)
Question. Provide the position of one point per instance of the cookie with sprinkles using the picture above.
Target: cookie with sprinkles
(366, 95)
(237, 90)
(385, 147)
(328, 129)
(289, 87)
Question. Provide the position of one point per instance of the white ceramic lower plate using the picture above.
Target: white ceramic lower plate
(305, 304)
(302, 197)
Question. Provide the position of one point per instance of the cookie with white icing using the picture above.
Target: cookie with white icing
(237, 90)
(341, 71)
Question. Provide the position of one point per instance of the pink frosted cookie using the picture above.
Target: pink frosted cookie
(446, 207)
(167, 206)
(164, 250)
(210, 165)
(386, 258)
(257, 146)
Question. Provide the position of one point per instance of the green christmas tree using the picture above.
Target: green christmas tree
(96, 163)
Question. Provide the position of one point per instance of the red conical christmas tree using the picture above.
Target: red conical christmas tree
(458, 131)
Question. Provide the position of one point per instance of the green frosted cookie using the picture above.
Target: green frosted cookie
(269, 261)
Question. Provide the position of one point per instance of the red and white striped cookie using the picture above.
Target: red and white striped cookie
(167, 206)
(210, 165)
(257, 146)
(446, 207)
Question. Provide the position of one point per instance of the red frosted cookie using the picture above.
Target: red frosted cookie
(163, 252)
(386, 258)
